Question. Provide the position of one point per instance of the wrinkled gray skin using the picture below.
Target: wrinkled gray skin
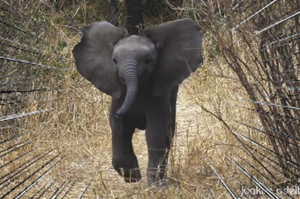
(134, 56)
(142, 74)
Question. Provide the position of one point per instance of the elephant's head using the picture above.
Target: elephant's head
(168, 52)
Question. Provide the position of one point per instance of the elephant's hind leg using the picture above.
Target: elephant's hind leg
(124, 160)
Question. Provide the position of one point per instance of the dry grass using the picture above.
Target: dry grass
(79, 120)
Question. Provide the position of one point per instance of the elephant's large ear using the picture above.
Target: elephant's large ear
(93, 56)
(180, 44)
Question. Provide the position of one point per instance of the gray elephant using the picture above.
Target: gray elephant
(142, 74)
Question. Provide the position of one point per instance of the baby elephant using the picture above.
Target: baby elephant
(142, 74)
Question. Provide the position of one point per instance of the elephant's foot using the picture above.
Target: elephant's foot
(157, 178)
(128, 168)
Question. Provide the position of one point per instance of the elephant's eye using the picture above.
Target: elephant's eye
(148, 60)
(114, 60)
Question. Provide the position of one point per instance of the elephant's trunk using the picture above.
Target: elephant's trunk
(129, 73)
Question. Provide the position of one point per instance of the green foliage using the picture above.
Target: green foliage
(61, 44)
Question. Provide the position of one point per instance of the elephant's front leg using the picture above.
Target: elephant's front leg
(123, 159)
(158, 139)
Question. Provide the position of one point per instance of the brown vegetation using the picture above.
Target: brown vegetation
(214, 106)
